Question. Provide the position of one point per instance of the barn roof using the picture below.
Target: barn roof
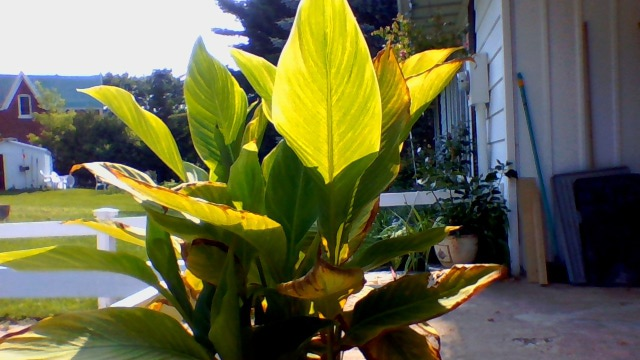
(65, 85)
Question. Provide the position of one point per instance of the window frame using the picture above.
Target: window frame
(22, 115)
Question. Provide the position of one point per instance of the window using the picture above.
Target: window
(24, 107)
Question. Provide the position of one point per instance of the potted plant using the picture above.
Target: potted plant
(475, 203)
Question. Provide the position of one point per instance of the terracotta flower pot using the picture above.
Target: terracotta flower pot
(457, 250)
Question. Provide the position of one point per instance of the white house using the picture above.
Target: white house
(21, 165)
(580, 60)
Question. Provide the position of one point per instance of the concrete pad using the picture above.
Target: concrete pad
(517, 320)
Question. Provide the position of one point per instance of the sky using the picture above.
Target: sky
(90, 37)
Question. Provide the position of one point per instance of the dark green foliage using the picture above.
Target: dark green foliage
(267, 23)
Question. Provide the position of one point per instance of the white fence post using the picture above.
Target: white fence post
(105, 242)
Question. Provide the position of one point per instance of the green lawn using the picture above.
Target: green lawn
(54, 205)
(45, 205)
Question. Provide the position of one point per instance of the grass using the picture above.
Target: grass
(46, 205)
(60, 205)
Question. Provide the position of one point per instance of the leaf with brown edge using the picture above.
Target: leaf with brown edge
(403, 343)
(215, 192)
(418, 298)
(263, 233)
(115, 229)
(103, 170)
(324, 280)
(426, 86)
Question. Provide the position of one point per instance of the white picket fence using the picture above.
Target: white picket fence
(35, 284)
(108, 287)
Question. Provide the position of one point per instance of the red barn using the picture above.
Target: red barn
(19, 100)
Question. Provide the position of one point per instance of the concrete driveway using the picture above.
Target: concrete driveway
(517, 320)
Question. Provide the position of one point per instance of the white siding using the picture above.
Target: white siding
(628, 51)
(562, 73)
(493, 38)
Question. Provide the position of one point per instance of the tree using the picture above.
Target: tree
(57, 128)
(267, 23)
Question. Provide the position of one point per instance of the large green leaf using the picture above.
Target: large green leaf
(326, 104)
(324, 280)
(385, 250)
(400, 344)
(262, 233)
(67, 257)
(151, 129)
(225, 320)
(326, 101)
(114, 229)
(260, 73)
(163, 258)
(246, 183)
(417, 298)
(395, 117)
(291, 197)
(112, 333)
(216, 108)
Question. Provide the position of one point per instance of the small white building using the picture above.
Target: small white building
(21, 165)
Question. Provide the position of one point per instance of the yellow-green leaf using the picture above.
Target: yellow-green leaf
(216, 109)
(324, 280)
(254, 132)
(425, 86)
(260, 73)
(117, 230)
(261, 232)
(111, 333)
(326, 101)
(102, 170)
(151, 130)
(423, 61)
(395, 118)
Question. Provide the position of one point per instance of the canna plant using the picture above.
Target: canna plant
(272, 247)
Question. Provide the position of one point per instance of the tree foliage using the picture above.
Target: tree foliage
(77, 137)
(267, 23)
